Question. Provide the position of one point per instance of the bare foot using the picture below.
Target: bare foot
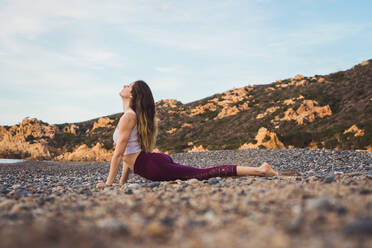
(269, 172)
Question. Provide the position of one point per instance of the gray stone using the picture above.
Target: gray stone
(129, 192)
(295, 225)
(242, 192)
(320, 203)
(153, 184)
(213, 180)
(329, 179)
(134, 186)
(112, 225)
(192, 180)
(361, 226)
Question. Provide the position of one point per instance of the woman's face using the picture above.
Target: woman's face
(126, 91)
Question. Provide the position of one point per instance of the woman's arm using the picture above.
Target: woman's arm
(125, 128)
(124, 174)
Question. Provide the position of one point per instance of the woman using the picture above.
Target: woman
(135, 139)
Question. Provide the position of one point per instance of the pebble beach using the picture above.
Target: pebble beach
(322, 199)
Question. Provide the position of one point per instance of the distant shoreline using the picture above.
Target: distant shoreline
(10, 160)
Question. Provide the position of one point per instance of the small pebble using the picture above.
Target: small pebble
(329, 179)
(134, 186)
(361, 226)
(319, 203)
(112, 225)
(153, 184)
(213, 180)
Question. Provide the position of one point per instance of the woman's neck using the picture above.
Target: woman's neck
(126, 104)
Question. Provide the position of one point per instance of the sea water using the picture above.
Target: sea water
(9, 161)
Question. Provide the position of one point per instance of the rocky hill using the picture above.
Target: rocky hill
(331, 111)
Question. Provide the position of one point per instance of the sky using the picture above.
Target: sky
(66, 61)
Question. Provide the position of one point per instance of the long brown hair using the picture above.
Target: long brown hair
(144, 106)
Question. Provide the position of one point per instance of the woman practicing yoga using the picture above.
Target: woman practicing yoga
(135, 139)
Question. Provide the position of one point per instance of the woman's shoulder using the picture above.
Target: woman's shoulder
(126, 119)
(131, 111)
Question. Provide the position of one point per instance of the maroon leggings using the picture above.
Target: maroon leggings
(160, 167)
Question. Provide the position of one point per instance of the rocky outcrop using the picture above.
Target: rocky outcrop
(227, 111)
(186, 125)
(103, 122)
(28, 139)
(364, 63)
(307, 111)
(288, 102)
(84, 153)
(321, 80)
(202, 108)
(313, 145)
(267, 111)
(157, 150)
(229, 102)
(168, 103)
(354, 129)
(199, 148)
(292, 100)
(171, 131)
(73, 129)
(264, 138)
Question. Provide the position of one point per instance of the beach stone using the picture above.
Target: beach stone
(365, 191)
(320, 203)
(192, 181)
(112, 225)
(15, 186)
(294, 226)
(6, 203)
(209, 215)
(329, 179)
(340, 209)
(296, 209)
(39, 211)
(242, 193)
(153, 184)
(168, 221)
(361, 226)
(213, 180)
(18, 208)
(133, 186)
(196, 223)
(129, 192)
(156, 229)
(180, 189)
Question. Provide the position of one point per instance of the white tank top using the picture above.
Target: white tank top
(133, 145)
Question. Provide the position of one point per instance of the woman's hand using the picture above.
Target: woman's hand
(101, 185)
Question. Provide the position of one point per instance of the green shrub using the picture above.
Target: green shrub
(337, 77)
(331, 143)
(297, 138)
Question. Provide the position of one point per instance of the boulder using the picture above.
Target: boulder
(272, 143)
